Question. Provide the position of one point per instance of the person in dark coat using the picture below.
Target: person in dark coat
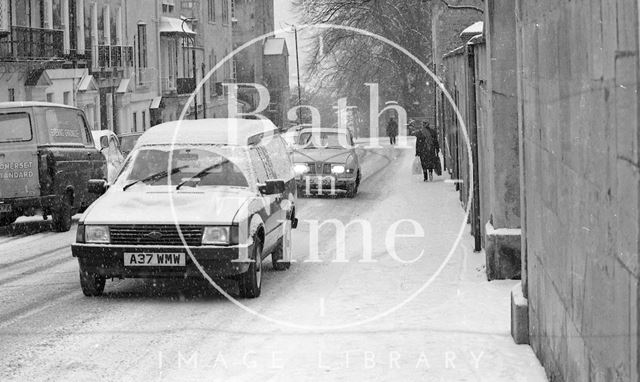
(427, 148)
(392, 130)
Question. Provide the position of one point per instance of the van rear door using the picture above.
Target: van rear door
(18, 155)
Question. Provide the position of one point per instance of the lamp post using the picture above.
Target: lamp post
(295, 30)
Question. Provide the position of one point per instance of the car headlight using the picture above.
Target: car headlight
(338, 169)
(96, 234)
(216, 236)
(301, 168)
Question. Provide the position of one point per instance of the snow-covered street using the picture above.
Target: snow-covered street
(419, 314)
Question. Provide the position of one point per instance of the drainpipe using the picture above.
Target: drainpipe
(473, 127)
(158, 55)
(195, 78)
(204, 91)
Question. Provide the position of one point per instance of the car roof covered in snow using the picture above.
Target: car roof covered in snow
(218, 131)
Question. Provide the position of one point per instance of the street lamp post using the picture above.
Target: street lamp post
(295, 30)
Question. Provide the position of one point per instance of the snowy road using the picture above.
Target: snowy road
(456, 329)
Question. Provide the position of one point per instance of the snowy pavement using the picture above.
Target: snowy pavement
(440, 320)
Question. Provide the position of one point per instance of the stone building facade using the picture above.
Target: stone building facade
(480, 76)
(129, 64)
(578, 102)
(550, 92)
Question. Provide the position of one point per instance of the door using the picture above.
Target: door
(114, 158)
(273, 215)
(76, 159)
(18, 155)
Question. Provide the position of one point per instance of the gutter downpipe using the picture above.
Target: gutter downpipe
(158, 55)
(473, 126)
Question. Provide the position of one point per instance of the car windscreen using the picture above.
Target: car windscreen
(15, 127)
(195, 167)
(324, 139)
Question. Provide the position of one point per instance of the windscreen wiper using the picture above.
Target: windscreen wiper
(201, 173)
(154, 177)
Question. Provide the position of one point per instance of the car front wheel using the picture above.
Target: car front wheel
(250, 282)
(92, 284)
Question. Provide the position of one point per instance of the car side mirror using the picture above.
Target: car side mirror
(272, 187)
(104, 143)
(97, 186)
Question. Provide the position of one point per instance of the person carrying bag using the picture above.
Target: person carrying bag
(427, 149)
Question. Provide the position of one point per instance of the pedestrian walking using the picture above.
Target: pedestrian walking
(427, 148)
(392, 130)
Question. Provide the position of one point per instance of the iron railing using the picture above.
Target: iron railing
(112, 56)
(36, 44)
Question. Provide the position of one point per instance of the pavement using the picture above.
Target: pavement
(422, 311)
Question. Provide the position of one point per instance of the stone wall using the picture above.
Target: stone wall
(578, 80)
(483, 85)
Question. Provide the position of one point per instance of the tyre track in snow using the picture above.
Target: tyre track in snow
(33, 257)
(53, 261)
(33, 260)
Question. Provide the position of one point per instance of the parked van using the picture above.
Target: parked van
(47, 156)
(221, 190)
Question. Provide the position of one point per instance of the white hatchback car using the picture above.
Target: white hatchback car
(206, 198)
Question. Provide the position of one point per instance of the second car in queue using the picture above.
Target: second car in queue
(326, 162)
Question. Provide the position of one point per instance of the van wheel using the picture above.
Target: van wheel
(61, 215)
(6, 219)
(92, 284)
(281, 257)
(250, 282)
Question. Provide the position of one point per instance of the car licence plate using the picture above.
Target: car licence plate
(318, 180)
(5, 208)
(150, 259)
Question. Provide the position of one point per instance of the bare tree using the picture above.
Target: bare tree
(343, 60)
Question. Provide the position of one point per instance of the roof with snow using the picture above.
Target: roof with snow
(472, 30)
(275, 46)
(212, 131)
(171, 25)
